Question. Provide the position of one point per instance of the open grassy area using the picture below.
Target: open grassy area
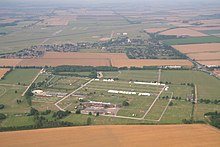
(9, 96)
(208, 86)
(65, 84)
(177, 90)
(138, 106)
(176, 113)
(22, 76)
(201, 109)
(157, 110)
(133, 75)
(17, 121)
(101, 120)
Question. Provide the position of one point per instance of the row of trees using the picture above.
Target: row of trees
(67, 68)
(207, 101)
(92, 74)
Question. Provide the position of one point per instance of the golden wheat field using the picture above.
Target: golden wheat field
(117, 136)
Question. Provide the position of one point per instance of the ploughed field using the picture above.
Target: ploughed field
(90, 59)
(131, 135)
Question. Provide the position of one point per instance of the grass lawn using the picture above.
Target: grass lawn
(182, 91)
(22, 76)
(138, 106)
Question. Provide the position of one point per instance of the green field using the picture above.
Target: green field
(211, 32)
(17, 121)
(64, 84)
(176, 113)
(9, 96)
(192, 40)
(201, 109)
(156, 111)
(208, 86)
(101, 120)
(133, 75)
(22, 76)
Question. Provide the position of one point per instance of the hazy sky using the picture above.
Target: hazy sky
(99, 2)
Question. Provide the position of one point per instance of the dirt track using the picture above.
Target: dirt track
(123, 136)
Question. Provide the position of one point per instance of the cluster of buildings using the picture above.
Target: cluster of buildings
(99, 107)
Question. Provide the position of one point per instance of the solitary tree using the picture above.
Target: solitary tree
(171, 103)
(125, 103)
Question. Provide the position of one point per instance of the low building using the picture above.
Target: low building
(144, 94)
(41, 93)
(35, 92)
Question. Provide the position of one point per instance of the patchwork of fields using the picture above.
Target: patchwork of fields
(90, 59)
(109, 36)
